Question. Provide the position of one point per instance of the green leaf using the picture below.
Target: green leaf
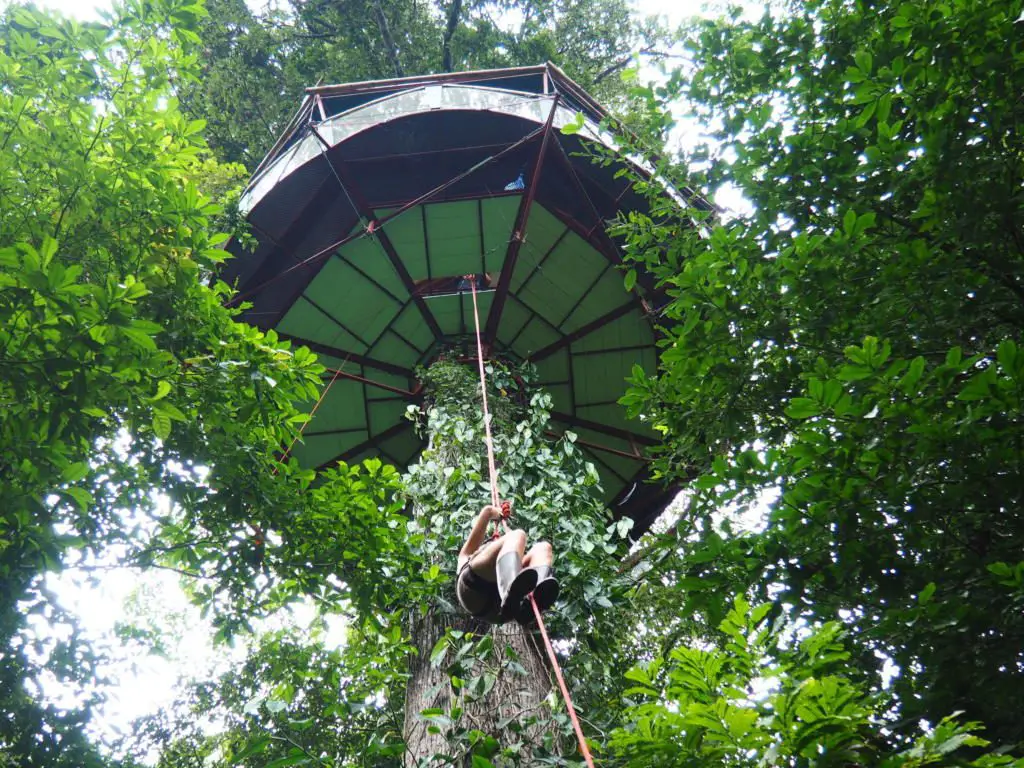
(81, 497)
(630, 280)
(75, 472)
(163, 387)
(276, 705)
(438, 653)
(161, 425)
(253, 747)
(853, 373)
(926, 594)
(138, 337)
(803, 408)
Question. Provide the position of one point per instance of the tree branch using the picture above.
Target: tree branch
(389, 41)
(453, 23)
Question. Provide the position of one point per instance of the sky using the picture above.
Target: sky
(148, 682)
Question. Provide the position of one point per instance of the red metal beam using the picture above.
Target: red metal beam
(352, 190)
(579, 333)
(425, 197)
(605, 429)
(380, 385)
(599, 447)
(342, 354)
(518, 232)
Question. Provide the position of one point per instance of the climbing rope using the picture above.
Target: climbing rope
(491, 467)
(584, 749)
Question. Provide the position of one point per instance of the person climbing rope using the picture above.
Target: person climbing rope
(495, 578)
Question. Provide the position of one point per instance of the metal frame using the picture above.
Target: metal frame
(565, 93)
(519, 232)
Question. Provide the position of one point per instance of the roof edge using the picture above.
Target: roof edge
(441, 77)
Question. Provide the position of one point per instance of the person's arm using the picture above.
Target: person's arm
(479, 532)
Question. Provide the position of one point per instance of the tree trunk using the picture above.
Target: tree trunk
(512, 711)
(489, 690)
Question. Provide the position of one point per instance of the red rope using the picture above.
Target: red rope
(584, 749)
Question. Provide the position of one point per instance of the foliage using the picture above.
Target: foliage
(553, 490)
(256, 65)
(123, 375)
(348, 546)
(843, 361)
(772, 696)
(294, 698)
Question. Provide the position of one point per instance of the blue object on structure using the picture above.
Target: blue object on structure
(518, 184)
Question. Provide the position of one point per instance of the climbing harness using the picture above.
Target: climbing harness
(506, 508)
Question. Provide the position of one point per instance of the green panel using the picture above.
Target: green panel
(630, 330)
(385, 414)
(542, 232)
(484, 301)
(352, 299)
(367, 254)
(607, 295)
(412, 327)
(547, 299)
(448, 312)
(391, 349)
(453, 238)
(499, 215)
(314, 451)
(406, 235)
(307, 322)
(600, 378)
(554, 368)
(535, 336)
(403, 446)
(573, 266)
(560, 396)
(342, 407)
(513, 317)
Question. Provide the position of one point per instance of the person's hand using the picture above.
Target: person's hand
(491, 512)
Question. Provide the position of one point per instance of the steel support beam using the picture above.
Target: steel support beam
(598, 447)
(579, 333)
(379, 384)
(342, 354)
(425, 197)
(605, 429)
(374, 229)
(519, 232)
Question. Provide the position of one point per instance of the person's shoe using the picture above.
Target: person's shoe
(544, 594)
(513, 583)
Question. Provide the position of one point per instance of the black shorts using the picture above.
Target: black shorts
(478, 595)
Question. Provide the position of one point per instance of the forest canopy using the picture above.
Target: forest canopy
(839, 395)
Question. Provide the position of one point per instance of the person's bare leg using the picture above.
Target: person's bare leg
(539, 554)
(484, 559)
